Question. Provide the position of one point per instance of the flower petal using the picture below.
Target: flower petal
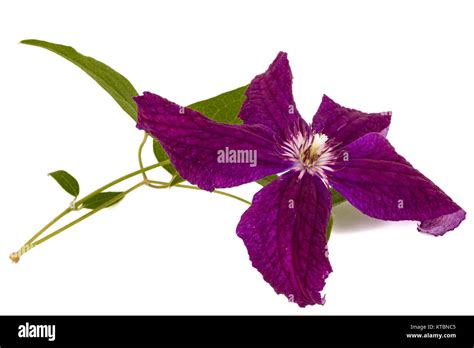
(270, 100)
(382, 184)
(285, 233)
(207, 153)
(346, 125)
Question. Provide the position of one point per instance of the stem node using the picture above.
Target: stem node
(15, 257)
(73, 205)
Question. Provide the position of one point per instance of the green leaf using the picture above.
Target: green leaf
(329, 227)
(101, 198)
(223, 108)
(266, 180)
(67, 182)
(114, 83)
(336, 198)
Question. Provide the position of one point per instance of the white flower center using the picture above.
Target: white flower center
(311, 154)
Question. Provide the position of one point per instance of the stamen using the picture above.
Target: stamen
(311, 153)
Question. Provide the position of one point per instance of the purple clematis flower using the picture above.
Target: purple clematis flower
(284, 228)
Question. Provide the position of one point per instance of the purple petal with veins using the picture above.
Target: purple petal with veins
(285, 234)
(345, 125)
(270, 100)
(382, 184)
(196, 145)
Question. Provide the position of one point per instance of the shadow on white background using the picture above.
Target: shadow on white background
(348, 219)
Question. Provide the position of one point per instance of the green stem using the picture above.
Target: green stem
(122, 178)
(165, 184)
(48, 225)
(15, 256)
(140, 150)
(85, 216)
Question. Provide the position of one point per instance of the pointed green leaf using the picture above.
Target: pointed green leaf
(266, 180)
(114, 83)
(66, 181)
(223, 108)
(329, 227)
(336, 198)
(101, 198)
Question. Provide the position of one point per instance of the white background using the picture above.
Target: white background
(175, 251)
